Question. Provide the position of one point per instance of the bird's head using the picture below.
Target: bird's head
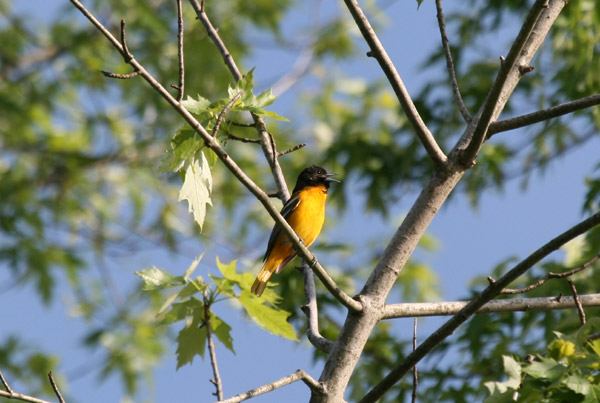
(314, 176)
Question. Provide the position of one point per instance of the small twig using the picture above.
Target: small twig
(121, 76)
(180, 87)
(242, 124)
(547, 277)
(540, 116)
(415, 371)
(594, 336)
(242, 139)
(299, 375)
(126, 53)
(310, 309)
(224, 112)
(55, 387)
(289, 150)
(380, 54)
(577, 302)
(211, 349)
(450, 64)
(11, 394)
(6, 385)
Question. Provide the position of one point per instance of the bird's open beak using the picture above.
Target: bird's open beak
(328, 178)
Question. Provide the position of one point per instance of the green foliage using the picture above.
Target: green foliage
(196, 189)
(568, 372)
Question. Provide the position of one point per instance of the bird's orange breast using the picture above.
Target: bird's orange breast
(308, 217)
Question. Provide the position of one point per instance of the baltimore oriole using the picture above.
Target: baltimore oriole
(305, 212)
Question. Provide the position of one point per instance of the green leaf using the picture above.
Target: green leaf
(271, 319)
(578, 384)
(196, 106)
(182, 310)
(222, 330)
(155, 278)
(196, 189)
(191, 341)
(503, 391)
(545, 368)
(184, 144)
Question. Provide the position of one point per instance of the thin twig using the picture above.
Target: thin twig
(55, 387)
(450, 63)
(6, 385)
(474, 305)
(181, 86)
(242, 139)
(380, 54)
(224, 112)
(447, 308)
(299, 375)
(577, 302)
(242, 124)
(310, 309)
(120, 76)
(547, 277)
(540, 116)
(11, 394)
(415, 371)
(211, 349)
(507, 68)
(211, 143)
(289, 150)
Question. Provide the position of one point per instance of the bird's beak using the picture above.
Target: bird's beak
(328, 178)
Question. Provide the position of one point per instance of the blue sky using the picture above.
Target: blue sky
(472, 242)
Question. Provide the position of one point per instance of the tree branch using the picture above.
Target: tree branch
(224, 112)
(379, 53)
(181, 84)
(547, 277)
(210, 142)
(450, 64)
(577, 300)
(474, 305)
(415, 371)
(540, 116)
(211, 349)
(533, 32)
(311, 311)
(419, 309)
(296, 376)
(266, 143)
(55, 387)
(11, 394)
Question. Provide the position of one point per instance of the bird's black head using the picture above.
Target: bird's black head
(314, 176)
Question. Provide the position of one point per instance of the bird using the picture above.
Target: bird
(305, 212)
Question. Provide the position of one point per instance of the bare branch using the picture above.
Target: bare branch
(296, 376)
(311, 311)
(547, 277)
(289, 150)
(210, 142)
(55, 387)
(447, 308)
(211, 349)
(242, 139)
(540, 116)
(11, 394)
(415, 371)
(225, 111)
(450, 64)
(577, 302)
(120, 76)
(530, 37)
(474, 305)
(181, 85)
(379, 53)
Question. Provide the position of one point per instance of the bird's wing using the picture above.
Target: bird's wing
(286, 211)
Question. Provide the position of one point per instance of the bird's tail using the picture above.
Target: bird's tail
(261, 281)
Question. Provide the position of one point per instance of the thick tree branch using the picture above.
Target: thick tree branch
(540, 116)
(533, 32)
(379, 53)
(311, 311)
(450, 64)
(296, 376)
(474, 305)
(410, 310)
(265, 140)
(210, 142)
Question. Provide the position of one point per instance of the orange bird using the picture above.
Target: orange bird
(305, 212)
